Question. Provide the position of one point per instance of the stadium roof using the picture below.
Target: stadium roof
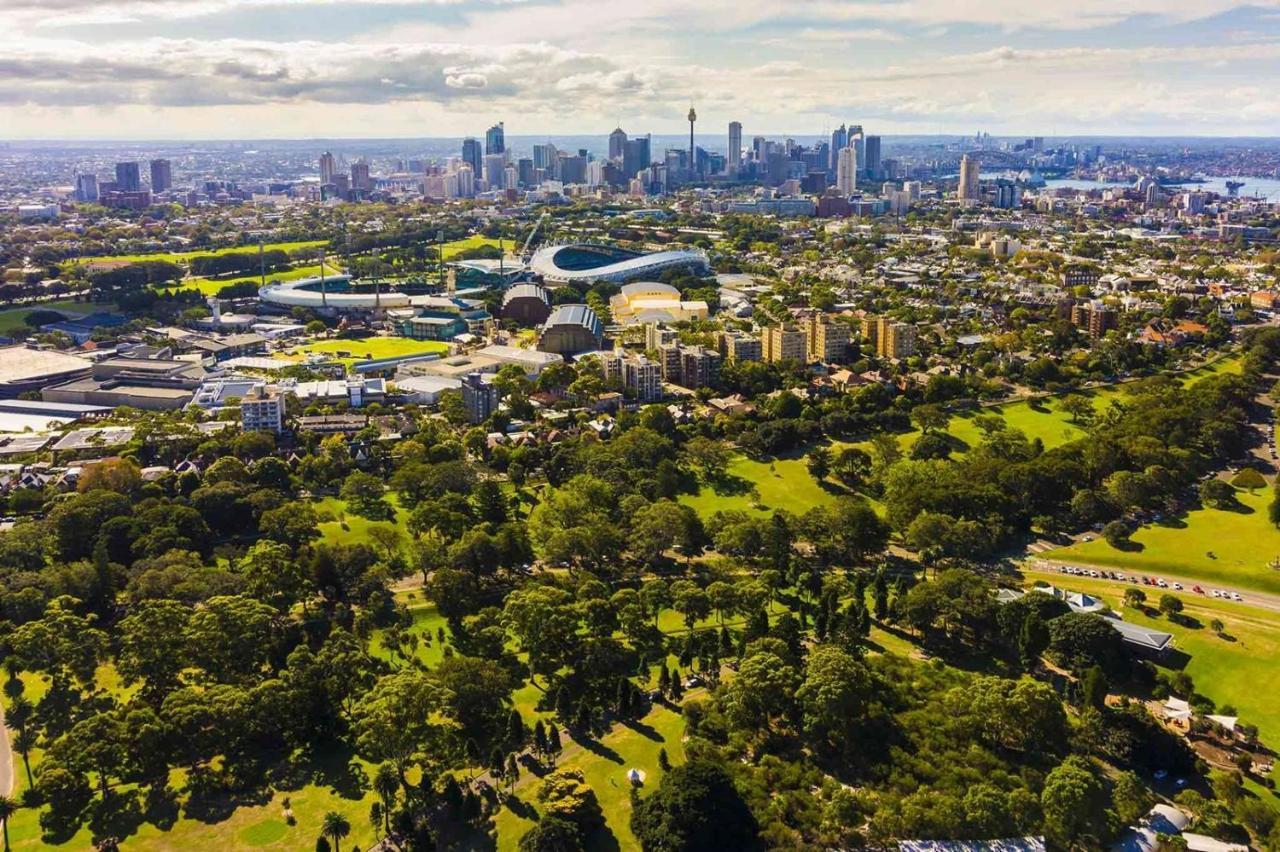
(576, 315)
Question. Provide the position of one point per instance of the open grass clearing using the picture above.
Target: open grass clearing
(1232, 548)
(184, 256)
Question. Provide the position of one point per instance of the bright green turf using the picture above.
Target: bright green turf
(14, 317)
(1242, 543)
(372, 348)
(474, 241)
(607, 777)
(781, 483)
(213, 286)
(1242, 672)
(350, 528)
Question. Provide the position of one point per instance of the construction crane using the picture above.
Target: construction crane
(524, 252)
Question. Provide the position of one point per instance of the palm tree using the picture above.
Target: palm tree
(336, 827)
(386, 782)
(8, 807)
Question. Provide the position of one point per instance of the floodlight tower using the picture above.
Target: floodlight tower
(693, 154)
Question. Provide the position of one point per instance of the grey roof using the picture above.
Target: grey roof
(1144, 637)
(576, 315)
(526, 291)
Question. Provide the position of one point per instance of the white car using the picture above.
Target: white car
(1236, 596)
(1161, 583)
(1178, 586)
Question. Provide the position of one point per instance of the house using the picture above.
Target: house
(1166, 333)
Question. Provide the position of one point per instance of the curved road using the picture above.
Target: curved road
(1261, 600)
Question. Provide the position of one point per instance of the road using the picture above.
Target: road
(1261, 600)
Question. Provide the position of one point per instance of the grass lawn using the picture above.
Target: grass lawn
(213, 286)
(1231, 548)
(426, 621)
(1239, 670)
(453, 249)
(780, 483)
(605, 768)
(183, 256)
(371, 348)
(14, 317)
(350, 528)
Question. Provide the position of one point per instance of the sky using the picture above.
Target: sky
(250, 69)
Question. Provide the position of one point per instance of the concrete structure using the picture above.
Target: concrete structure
(526, 304)
(740, 347)
(562, 264)
(969, 190)
(651, 301)
(828, 341)
(571, 329)
(425, 390)
(635, 372)
(329, 294)
(847, 171)
(1094, 317)
(24, 369)
(783, 343)
(895, 339)
(479, 397)
(262, 409)
(151, 384)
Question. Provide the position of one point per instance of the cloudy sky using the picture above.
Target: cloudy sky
(311, 68)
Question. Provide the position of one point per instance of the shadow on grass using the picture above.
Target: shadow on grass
(602, 840)
(520, 807)
(730, 486)
(645, 730)
(598, 748)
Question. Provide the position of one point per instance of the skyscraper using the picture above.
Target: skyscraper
(839, 141)
(735, 146)
(328, 168)
(617, 144)
(968, 190)
(495, 141)
(636, 156)
(473, 154)
(360, 179)
(873, 157)
(86, 187)
(847, 170)
(128, 177)
(545, 157)
(858, 143)
(161, 176)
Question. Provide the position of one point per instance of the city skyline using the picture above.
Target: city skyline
(288, 69)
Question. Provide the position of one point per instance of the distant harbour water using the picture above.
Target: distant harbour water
(1268, 188)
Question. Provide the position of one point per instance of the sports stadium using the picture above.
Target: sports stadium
(331, 293)
(573, 262)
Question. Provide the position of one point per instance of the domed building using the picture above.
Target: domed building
(571, 329)
(652, 301)
(527, 304)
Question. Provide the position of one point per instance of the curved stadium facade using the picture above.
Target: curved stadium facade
(565, 264)
(333, 293)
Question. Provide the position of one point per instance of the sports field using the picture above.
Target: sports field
(184, 256)
(372, 348)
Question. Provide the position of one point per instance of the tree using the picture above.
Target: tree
(696, 808)
(565, 795)
(1081, 640)
(400, 720)
(273, 575)
(1033, 639)
(335, 826)
(930, 418)
(8, 807)
(1075, 804)
(552, 834)
(1170, 606)
(123, 476)
(763, 691)
(1093, 688)
(819, 463)
(1134, 598)
(1117, 534)
(834, 698)
(1078, 407)
(1131, 798)
(1217, 494)
(363, 493)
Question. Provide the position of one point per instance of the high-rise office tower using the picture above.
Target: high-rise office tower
(858, 143)
(473, 154)
(86, 187)
(545, 157)
(128, 177)
(847, 170)
(873, 157)
(636, 156)
(495, 167)
(495, 140)
(617, 144)
(328, 167)
(839, 141)
(968, 190)
(161, 176)
(735, 146)
(360, 179)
